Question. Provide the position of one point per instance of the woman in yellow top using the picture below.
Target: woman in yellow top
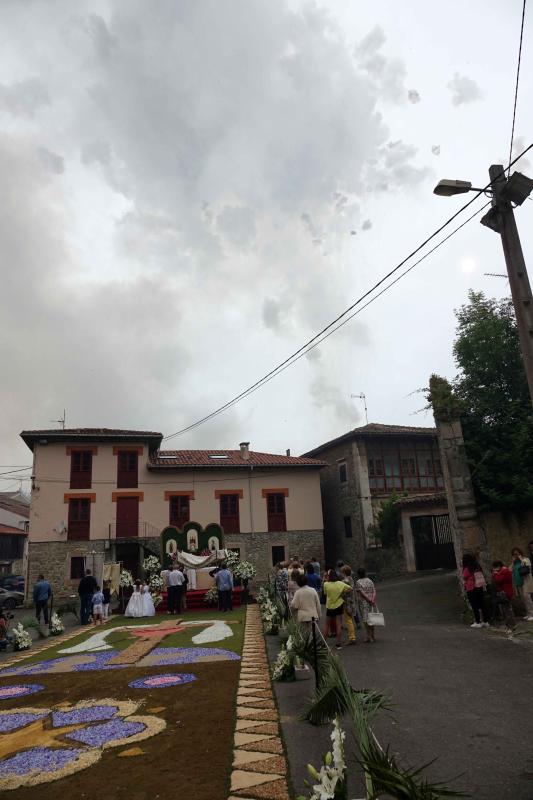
(335, 590)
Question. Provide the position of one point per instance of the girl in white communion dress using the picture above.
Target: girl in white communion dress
(135, 605)
(148, 607)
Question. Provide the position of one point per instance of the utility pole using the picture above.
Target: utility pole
(501, 219)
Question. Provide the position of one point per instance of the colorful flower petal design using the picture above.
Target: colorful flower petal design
(190, 655)
(75, 740)
(19, 690)
(162, 681)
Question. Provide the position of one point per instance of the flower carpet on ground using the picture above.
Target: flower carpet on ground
(87, 712)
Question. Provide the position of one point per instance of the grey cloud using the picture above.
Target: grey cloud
(24, 99)
(51, 161)
(237, 224)
(435, 149)
(413, 96)
(104, 43)
(463, 89)
(388, 74)
(367, 224)
(271, 314)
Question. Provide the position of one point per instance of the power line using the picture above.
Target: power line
(307, 346)
(517, 78)
(14, 471)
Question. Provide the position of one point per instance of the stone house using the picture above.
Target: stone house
(368, 465)
(14, 523)
(103, 495)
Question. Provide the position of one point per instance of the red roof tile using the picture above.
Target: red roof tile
(375, 429)
(172, 459)
(10, 529)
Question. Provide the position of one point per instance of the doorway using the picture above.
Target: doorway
(127, 517)
(433, 540)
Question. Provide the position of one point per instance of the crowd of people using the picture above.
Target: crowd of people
(348, 602)
(505, 584)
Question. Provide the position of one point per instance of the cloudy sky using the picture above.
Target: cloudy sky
(193, 188)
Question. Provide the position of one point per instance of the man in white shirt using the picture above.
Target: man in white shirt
(306, 601)
(175, 581)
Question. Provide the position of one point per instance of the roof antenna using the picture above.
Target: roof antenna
(362, 397)
(61, 421)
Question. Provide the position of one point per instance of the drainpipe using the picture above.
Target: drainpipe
(251, 498)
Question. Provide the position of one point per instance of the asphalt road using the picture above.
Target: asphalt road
(461, 696)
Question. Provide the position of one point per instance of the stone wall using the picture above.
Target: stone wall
(341, 500)
(505, 530)
(53, 558)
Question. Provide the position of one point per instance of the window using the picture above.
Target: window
(410, 465)
(77, 567)
(79, 518)
(277, 520)
(229, 513)
(81, 467)
(343, 474)
(127, 517)
(278, 553)
(127, 475)
(348, 527)
(179, 510)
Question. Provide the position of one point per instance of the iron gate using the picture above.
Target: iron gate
(433, 540)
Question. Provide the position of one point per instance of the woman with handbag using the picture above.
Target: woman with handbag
(366, 594)
(335, 592)
(474, 585)
(522, 580)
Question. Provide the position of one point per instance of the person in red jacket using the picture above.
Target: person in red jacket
(502, 578)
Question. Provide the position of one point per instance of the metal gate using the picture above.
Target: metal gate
(433, 540)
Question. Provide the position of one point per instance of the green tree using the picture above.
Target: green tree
(388, 522)
(492, 392)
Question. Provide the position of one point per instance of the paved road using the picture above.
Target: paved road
(462, 696)
(20, 614)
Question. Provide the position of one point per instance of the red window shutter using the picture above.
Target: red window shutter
(179, 510)
(128, 469)
(81, 468)
(229, 513)
(79, 519)
(276, 517)
(127, 517)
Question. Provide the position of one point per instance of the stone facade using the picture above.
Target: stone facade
(53, 559)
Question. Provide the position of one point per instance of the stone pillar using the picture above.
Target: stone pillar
(468, 533)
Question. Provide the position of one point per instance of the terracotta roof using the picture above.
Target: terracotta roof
(10, 529)
(14, 505)
(91, 435)
(179, 459)
(422, 499)
(375, 429)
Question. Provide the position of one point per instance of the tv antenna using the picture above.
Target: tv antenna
(61, 421)
(361, 396)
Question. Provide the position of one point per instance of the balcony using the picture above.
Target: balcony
(133, 530)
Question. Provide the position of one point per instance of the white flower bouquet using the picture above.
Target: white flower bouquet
(232, 560)
(126, 579)
(284, 667)
(56, 625)
(244, 570)
(151, 564)
(330, 780)
(21, 638)
(211, 596)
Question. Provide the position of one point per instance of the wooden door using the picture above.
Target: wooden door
(127, 517)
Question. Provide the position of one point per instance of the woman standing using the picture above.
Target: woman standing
(522, 580)
(366, 593)
(474, 585)
(349, 603)
(335, 591)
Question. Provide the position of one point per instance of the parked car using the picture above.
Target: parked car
(10, 599)
(13, 583)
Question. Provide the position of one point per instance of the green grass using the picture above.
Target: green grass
(120, 640)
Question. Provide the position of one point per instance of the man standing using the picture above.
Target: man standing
(316, 565)
(224, 582)
(41, 594)
(86, 589)
(175, 580)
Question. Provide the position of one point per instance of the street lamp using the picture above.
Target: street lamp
(506, 193)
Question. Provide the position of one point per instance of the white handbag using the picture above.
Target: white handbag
(376, 618)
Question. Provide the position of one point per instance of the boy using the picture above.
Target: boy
(98, 607)
(107, 599)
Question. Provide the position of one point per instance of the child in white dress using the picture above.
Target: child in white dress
(147, 603)
(135, 605)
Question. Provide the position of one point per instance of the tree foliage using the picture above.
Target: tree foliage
(388, 522)
(492, 392)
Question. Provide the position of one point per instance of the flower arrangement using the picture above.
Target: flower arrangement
(56, 625)
(331, 778)
(151, 564)
(126, 579)
(284, 667)
(21, 638)
(263, 595)
(232, 560)
(244, 570)
(211, 596)
(270, 616)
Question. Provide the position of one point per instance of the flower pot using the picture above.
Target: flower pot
(302, 673)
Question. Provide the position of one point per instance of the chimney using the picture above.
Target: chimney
(288, 451)
(245, 451)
